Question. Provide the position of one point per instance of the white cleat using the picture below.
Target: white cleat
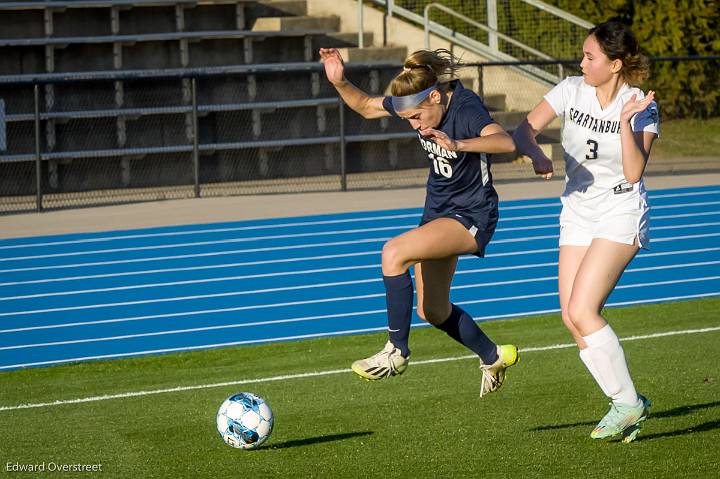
(386, 363)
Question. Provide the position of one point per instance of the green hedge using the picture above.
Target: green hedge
(685, 89)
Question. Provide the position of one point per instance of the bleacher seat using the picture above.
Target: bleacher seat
(280, 121)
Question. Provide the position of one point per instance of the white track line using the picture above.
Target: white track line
(219, 253)
(305, 223)
(263, 238)
(704, 203)
(642, 254)
(293, 303)
(226, 310)
(209, 243)
(289, 377)
(685, 215)
(197, 255)
(336, 333)
(676, 195)
(236, 240)
(267, 290)
(214, 230)
(240, 325)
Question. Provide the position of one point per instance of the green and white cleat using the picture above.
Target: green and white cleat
(386, 363)
(622, 419)
(493, 374)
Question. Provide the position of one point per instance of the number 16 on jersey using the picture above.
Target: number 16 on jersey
(441, 166)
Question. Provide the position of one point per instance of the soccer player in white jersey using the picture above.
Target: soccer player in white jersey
(461, 207)
(608, 130)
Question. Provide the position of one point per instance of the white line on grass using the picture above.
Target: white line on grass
(287, 377)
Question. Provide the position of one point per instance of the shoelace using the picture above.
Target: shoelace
(486, 375)
(376, 357)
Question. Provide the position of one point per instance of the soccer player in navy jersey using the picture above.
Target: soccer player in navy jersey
(461, 206)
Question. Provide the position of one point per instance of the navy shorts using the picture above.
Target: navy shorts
(481, 224)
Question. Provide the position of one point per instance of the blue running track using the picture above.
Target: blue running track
(127, 293)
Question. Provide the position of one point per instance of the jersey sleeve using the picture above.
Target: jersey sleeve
(647, 120)
(475, 117)
(387, 104)
(558, 96)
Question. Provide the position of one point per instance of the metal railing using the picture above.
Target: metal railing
(358, 147)
(45, 121)
(490, 10)
(470, 21)
(60, 4)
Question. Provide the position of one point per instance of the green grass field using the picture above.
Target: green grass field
(688, 138)
(430, 422)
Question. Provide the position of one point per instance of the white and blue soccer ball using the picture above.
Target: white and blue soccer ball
(244, 421)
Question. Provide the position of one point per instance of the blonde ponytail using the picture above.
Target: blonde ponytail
(423, 69)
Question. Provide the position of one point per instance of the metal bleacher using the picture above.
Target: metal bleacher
(131, 92)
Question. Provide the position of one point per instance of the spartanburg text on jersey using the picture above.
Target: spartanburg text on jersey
(591, 134)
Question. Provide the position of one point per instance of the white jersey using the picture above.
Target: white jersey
(591, 134)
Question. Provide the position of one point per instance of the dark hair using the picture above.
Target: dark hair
(618, 42)
(424, 68)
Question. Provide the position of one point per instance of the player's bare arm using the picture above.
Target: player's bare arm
(635, 145)
(492, 139)
(524, 136)
(367, 106)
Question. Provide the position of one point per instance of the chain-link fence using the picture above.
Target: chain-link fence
(545, 32)
(104, 139)
(118, 138)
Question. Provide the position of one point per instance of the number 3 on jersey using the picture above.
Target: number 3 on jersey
(441, 166)
(593, 150)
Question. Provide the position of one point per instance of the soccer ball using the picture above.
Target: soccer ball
(245, 421)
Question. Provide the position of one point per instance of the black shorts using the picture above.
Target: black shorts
(481, 224)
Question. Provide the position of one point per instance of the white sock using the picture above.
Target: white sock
(608, 358)
(585, 357)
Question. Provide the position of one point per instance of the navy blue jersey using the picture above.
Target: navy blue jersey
(459, 182)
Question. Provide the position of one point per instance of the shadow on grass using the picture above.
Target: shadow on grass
(678, 411)
(317, 440)
(706, 426)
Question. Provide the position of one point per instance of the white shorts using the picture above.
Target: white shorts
(620, 214)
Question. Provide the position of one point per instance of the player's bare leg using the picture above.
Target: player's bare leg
(432, 280)
(599, 272)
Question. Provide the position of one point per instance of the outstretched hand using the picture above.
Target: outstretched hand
(334, 66)
(441, 138)
(632, 107)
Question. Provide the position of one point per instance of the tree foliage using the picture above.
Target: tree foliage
(665, 28)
